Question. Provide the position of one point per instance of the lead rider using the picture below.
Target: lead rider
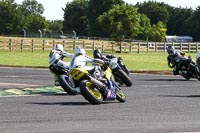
(80, 60)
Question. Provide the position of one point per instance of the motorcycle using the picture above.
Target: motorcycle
(120, 71)
(64, 79)
(94, 82)
(189, 69)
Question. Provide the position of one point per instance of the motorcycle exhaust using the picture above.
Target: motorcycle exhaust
(97, 82)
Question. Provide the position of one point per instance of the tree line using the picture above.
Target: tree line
(149, 21)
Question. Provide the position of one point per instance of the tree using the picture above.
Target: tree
(155, 11)
(11, 18)
(178, 16)
(158, 32)
(55, 26)
(192, 25)
(121, 21)
(95, 9)
(32, 7)
(35, 23)
(145, 28)
(75, 17)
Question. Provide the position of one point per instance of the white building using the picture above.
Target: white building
(170, 39)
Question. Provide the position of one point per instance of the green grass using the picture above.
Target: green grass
(134, 61)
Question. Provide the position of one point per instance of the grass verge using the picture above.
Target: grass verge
(134, 61)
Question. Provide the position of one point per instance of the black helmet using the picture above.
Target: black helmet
(171, 50)
(97, 53)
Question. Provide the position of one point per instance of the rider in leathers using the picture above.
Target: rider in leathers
(98, 54)
(56, 56)
(80, 60)
(176, 59)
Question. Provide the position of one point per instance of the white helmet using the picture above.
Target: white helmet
(58, 47)
(80, 51)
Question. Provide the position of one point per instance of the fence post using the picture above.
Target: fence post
(102, 48)
(43, 45)
(32, 46)
(53, 43)
(188, 47)
(130, 47)
(10, 45)
(64, 44)
(112, 47)
(74, 44)
(164, 46)
(93, 46)
(120, 49)
(138, 47)
(181, 46)
(21, 47)
(147, 47)
(197, 48)
(84, 44)
(156, 46)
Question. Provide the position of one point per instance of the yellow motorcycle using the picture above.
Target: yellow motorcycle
(95, 83)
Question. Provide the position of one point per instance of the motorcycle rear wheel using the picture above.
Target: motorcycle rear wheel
(124, 77)
(64, 82)
(89, 92)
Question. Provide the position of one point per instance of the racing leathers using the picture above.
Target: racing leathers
(177, 60)
(56, 58)
(80, 61)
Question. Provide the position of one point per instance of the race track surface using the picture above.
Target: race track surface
(155, 104)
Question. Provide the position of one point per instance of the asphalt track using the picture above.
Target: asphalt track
(155, 104)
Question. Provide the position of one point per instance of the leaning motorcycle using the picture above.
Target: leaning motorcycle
(93, 83)
(64, 78)
(120, 71)
(189, 69)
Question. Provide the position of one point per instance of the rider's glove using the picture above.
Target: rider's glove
(107, 62)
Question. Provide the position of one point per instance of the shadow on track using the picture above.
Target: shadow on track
(185, 96)
(71, 103)
(62, 103)
(175, 79)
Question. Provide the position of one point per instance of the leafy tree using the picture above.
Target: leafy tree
(35, 23)
(75, 17)
(155, 11)
(145, 28)
(121, 21)
(55, 25)
(158, 32)
(11, 18)
(178, 16)
(32, 7)
(192, 25)
(95, 9)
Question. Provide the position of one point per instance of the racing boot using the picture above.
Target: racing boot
(110, 94)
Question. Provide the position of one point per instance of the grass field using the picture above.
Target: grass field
(134, 61)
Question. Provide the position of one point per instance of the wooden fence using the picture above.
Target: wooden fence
(106, 46)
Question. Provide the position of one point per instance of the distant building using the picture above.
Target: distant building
(170, 39)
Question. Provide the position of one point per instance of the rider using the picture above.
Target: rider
(176, 59)
(197, 68)
(98, 54)
(56, 56)
(80, 60)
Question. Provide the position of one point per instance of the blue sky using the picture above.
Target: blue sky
(53, 8)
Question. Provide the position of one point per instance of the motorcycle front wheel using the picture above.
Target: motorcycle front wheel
(120, 95)
(66, 84)
(90, 92)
